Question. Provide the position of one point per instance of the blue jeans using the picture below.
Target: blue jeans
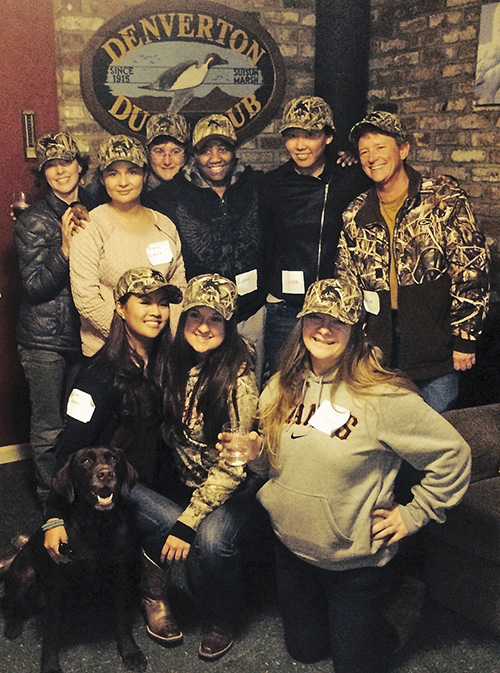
(336, 613)
(50, 377)
(214, 561)
(441, 392)
(281, 318)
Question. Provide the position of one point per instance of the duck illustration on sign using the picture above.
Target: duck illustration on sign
(195, 57)
(181, 79)
(200, 75)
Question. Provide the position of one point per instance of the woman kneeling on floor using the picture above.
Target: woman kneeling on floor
(335, 427)
(117, 399)
(211, 505)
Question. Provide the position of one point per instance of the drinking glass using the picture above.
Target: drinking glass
(20, 201)
(235, 451)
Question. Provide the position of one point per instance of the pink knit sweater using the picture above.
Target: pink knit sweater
(102, 252)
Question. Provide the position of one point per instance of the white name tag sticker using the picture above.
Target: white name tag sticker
(328, 418)
(293, 282)
(159, 253)
(371, 302)
(80, 406)
(246, 282)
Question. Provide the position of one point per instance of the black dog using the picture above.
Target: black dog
(102, 550)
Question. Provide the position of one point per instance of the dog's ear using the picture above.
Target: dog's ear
(129, 471)
(131, 477)
(62, 482)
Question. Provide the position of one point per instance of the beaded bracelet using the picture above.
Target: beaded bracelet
(53, 523)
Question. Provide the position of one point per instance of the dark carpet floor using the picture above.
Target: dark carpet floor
(441, 642)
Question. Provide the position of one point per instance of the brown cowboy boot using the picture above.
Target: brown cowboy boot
(161, 624)
(216, 641)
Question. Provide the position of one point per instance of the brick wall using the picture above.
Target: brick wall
(290, 22)
(423, 57)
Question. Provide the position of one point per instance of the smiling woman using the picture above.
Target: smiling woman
(216, 162)
(116, 401)
(115, 391)
(204, 329)
(382, 159)
(145, 317)
(63, 176)
(307, 148)
(335, 426)
(325, 338)
(210, 506)
(48, 330)
(122, 234)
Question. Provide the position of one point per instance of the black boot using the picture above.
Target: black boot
(161, 624)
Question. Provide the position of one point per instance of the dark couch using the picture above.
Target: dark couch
(461, 558)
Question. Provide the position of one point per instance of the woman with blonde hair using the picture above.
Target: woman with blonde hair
(335, 426)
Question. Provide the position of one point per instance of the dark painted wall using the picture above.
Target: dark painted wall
(27, 81)
(342, 53)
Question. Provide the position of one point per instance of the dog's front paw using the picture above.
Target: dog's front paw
(13, 628)
(51, 668)
(135, 661)
(50, 660)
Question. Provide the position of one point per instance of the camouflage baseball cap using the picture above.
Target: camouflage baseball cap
(214, 126)
(310, 113)
(213, 291)
(56, 146)
(144, 280)
(340, 299)
(386, 122)
(173, 126)
(121, 148)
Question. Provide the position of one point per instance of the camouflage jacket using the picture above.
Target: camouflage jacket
(441, 265)
(198, 464)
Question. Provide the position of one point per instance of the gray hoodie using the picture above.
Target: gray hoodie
(321, 496)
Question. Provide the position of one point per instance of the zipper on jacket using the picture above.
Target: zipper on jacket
(391, 239)
(321, 227)
(392, 257)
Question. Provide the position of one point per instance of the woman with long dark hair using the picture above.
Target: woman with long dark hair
(211, 505)
(116, 400)
(335, 426)
(121, 385)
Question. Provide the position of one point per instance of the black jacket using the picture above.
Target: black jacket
(111, 421)
(48, 318)
(302, 219)
(218, 234)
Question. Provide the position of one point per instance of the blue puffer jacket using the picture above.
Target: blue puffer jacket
(48, 318)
